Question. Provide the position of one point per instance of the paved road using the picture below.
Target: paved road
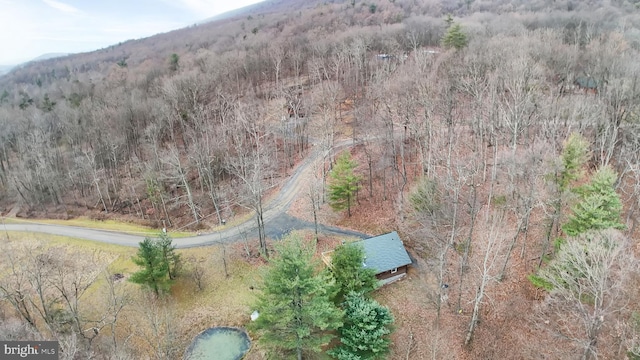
(277, 222)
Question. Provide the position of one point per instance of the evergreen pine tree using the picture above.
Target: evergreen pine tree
(347, 270)
(365, 332)
(454, 37)
(169, 255)
(154, 268)
(599, 207)
(343, 184)
(296, 313)
(174, 60)
(575, 155)
(449, 20)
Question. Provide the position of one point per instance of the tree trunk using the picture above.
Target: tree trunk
(474, 316)
(467, 245)
(513, 243)
(104, 206)
(192, 205)
(208, 175)
(369, 162)
(224, 261)
(261, 234)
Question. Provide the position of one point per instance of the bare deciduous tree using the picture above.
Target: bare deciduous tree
(47, 288)
(178, 172)
(251, 162)
(493, 243)
(196, 269)
(587, 280)
(159, 328)
(116, 300)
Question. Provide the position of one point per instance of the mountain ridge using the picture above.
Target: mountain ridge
(48, 56)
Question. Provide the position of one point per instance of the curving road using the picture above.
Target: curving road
(277, 221)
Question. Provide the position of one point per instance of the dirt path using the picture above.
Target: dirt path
(277, 222)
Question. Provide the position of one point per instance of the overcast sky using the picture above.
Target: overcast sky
(30, 28)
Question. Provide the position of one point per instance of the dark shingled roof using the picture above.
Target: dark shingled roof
(586, 82)
(384, 252)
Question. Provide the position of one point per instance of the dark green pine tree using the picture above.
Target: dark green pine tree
(454, 37)
(174, 61)
(599, 207)
(575, 155)
(343, 183)
(154, 268)
(366, 329)
(349, 274)
(169, 255)
(296, 313)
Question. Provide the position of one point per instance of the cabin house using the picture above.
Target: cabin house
(384, 56)
(386, 254)
(586, 84)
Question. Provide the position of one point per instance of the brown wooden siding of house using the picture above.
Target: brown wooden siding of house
(388, 274)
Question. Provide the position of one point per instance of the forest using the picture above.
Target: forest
(501, 139)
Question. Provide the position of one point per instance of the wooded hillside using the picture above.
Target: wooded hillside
(464, 148)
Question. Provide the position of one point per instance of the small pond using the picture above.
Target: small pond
(219, 343)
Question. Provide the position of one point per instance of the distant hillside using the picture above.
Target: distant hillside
(268, 6)
(5, 69)
(222, 34)
(308, 20)
(48, 56)
(232, 14)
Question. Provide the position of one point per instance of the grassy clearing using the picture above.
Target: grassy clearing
(79, 244)
(111, 225)
(233, 289)
(91, 255)
(120, 255)
(224, 300)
